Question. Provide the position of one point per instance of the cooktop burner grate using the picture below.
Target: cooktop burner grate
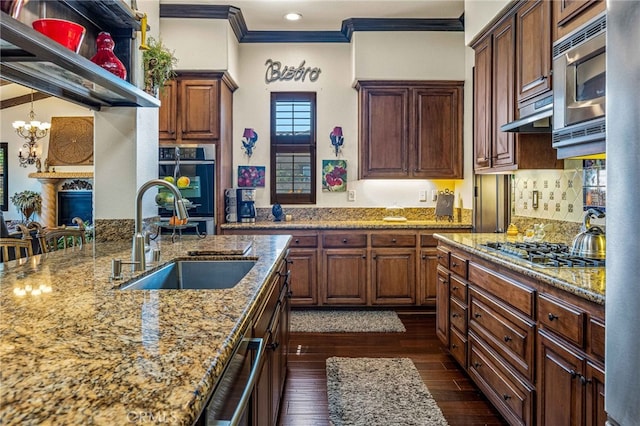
(544, 254)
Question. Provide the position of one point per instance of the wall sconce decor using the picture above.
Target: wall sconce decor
(337, 139)
(249, 139)
(32, 131)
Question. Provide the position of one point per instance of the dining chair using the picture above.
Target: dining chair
(63, 237)
(17, 247)
(33, 230)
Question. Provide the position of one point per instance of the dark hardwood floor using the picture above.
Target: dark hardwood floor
(305, 397)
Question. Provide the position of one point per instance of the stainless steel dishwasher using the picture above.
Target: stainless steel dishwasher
(230, 401)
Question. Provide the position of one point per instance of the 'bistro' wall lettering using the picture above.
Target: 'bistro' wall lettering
(275, 72)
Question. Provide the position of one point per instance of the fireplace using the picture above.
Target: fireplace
(75, 204)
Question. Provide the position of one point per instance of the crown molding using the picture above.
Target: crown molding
(349, 26)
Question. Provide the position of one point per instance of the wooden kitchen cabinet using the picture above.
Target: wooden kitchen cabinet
(344, 277)
(427, 276)
(533, 50)
(190, 110)
(303, 266)
(570, 14)
(272, 324)
(535, 351)
(411, 129)
(393, 269)
(501, 66)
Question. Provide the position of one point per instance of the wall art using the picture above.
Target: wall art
(251, 176)
(334, 175)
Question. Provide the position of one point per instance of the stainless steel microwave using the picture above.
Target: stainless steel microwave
(579, 81)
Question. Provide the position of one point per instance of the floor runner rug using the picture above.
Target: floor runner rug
(321, 321)
(379, 391)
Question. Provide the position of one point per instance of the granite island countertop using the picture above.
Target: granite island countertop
(588, 283)
(85, 352)
(346, 224)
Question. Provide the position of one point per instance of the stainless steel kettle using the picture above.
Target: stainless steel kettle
(591, 242)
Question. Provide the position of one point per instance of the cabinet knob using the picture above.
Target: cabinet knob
(573, 374)
(477, 315)
(506, 397)
(507, 339)
(454, 346)
(393, 240)
(477, 365)
(552, 317)
(364, 256)
(455, 315)
(454, 264)
(424, 256)
(297, 241)
(454, 288)
(440, 256)
(584, 380)
(344, 241)
(273, 346)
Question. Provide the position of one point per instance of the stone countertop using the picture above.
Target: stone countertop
(85, 352)
(588, 283)
(347, 224)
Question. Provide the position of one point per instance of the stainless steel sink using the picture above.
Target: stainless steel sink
(194, 275)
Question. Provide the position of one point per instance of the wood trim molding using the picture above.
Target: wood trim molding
(244, 35)
(21, 100)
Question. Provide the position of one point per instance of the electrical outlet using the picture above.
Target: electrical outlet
(351, 195)
(422, 195)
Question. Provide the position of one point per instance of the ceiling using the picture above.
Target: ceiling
(327, 15)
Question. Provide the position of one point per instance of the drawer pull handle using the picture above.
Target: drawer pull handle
(477, 315)
(507, 339)
(552, 317)
(477, 365)
(506, 397)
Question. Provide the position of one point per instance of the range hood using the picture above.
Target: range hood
(33, 60)
(534, 118)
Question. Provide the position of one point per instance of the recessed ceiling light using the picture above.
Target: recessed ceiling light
(293, 16)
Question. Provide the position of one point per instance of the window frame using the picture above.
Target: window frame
(281, 145)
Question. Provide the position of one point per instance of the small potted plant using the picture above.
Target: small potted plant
(159, 64)
(27, 202)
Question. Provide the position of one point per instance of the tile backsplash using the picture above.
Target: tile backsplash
(560, 192)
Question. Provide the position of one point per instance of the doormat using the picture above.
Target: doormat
(320, 321)
(379, 391)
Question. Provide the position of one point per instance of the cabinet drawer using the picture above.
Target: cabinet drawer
(304, 241)
(458, 288)
(427, 240)
(566, 320)
(596, 338)
(458, 316)
(393, 240)
(458, 347)
(458, 265)
(443, 257)
(511, 292)
(508, 334)
(352, 240)
(510, 395)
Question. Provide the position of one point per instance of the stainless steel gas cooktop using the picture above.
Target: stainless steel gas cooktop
(544, 254)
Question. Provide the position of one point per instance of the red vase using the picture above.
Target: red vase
(105, 56)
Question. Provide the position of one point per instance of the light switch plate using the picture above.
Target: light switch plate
(351, 195)
(422, 195)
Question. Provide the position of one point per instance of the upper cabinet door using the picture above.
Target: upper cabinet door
(168, 111)
(438, 141)
(533, 49)
(482, 128)
(199, 109)
(570, 14)
(384, 132)
(502, 147)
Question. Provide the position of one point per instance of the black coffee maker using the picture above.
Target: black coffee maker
(246, 205)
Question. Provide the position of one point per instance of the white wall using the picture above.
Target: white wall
(199, 44)
(478, 13)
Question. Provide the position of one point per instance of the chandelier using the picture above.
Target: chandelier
(32, 131)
